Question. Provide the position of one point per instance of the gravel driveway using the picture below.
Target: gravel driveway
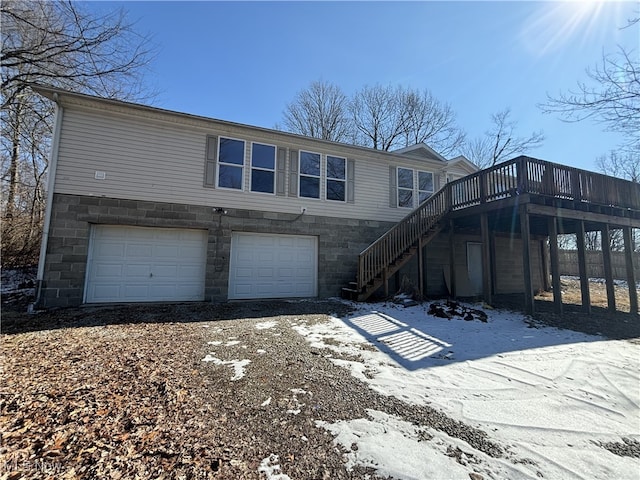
(189, 391)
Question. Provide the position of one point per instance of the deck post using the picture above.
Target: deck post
(385, 280)
(420, 269)
(544, 255)
(631, 280)
(555, 265)
(608, 270)
(526, 259)
(494, 275)
(452, 260)
(486, 258)
(582, 268)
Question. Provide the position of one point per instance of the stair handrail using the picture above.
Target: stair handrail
(398, 239)
(507, 179)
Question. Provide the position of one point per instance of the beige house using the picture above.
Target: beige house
(148, 205)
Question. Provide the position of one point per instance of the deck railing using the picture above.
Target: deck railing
(515, 177)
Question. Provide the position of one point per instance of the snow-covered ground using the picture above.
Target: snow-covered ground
(551, 397)
(14, 280)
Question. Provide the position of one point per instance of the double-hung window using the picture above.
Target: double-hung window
(230, 163)
(263, 166)
(425, 186)
(309, 174)
(405, 187)
(413, 185)
(336, 178)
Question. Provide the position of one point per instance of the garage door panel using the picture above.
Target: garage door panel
(284, 272)
(138, 250)
(166, 251)
(134, 290)
(137, 264)
(165, 273)
(287, 242)
(108, 270)
(186, 272)
(107, 290)
(190, 251)
(272, 266)
(136, 270)
(243, 289)
(243, 273)
(265, 256)
(111, 249)
(265, 273)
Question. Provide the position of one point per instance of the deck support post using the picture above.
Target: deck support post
(486, 258)
(608, 269)
(494, 275)
(526, 259)
(582, 268)
(385, 280)
(631, 280)
(420, 269)
(544, 255)
(555, 265)
(452, 260)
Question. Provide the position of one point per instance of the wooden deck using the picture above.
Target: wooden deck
(525, 196)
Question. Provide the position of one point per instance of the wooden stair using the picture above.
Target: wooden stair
(355, 293)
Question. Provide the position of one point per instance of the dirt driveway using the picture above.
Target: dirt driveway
(197, 391)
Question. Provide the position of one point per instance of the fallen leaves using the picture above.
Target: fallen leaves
(82, 408)
(84, 395)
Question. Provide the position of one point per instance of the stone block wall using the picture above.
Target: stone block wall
(339, 241)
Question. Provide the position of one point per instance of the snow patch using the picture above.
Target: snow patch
(297, 404)
(18, 281)
(549, 395)
(266, 325)
(238, 365)
(271, 468)
(399, 449)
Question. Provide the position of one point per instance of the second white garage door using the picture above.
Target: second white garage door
(273, 266)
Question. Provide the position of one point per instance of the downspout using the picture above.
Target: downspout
(53, 164)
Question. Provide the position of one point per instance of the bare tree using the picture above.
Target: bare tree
(622, 165)
(611, 97)
(319, 111)
(501, 142)
(378, 116)
(56, 44)
(428, 120)
(625, 165)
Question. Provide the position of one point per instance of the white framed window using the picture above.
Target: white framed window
(231, 163)
(405, 187)
(309, 174)
(425, 185)
(336, 178)
(263, 168)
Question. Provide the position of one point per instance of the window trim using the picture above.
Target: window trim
(300, 175)
(242, 166)
(327, 178)
(398, 187)
(275, 165)
(433, 184)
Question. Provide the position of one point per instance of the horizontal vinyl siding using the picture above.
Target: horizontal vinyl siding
(150, 160)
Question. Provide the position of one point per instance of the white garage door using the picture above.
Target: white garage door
(141, 264)
(272, 266)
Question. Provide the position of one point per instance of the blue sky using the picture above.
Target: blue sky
(244, 61)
